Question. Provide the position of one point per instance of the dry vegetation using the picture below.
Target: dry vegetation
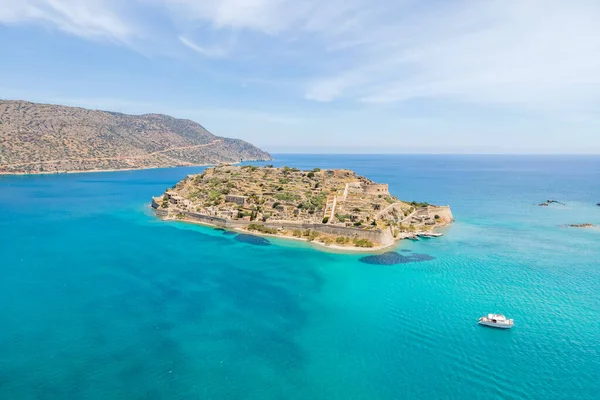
(38, 138)
(270, 195)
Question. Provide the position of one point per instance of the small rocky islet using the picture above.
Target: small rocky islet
(586, 225)
(336, 208)
(548, 202)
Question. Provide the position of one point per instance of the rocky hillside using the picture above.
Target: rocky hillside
(42, 138)
(334, 197)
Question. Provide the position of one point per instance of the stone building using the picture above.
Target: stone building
(241, 200)
(378, 189)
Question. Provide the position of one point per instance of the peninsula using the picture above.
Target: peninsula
(336, 208)
(47, 138)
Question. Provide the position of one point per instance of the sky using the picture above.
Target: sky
(314, 76)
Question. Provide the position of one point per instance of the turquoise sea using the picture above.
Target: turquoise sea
(100, 300)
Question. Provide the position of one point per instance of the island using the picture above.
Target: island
(335, 208)
(48, 139)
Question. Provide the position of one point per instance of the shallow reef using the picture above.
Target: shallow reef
(251, 239)
(393, 258)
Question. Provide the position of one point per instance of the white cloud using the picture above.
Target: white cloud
(526, 54)
(523, 53)
(93, 19)
(210, 52)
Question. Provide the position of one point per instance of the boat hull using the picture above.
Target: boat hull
(494, 325)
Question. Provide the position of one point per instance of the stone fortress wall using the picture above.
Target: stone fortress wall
(380, 236)
(444, 212)
(377, 189)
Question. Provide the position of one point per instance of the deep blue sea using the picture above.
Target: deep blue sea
(100, 300)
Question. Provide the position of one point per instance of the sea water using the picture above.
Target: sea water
(101, 300)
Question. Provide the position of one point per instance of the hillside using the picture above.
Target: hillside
(42, 138)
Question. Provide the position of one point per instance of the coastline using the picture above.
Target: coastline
(317, 245)
(2, 173)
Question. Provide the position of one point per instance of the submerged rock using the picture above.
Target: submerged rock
(229, 233)
(393, 258)
(548, 202)
(587, 225)
(251, 239)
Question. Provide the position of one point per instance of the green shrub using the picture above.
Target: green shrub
(327, 240)
(363, 243)
(342, 218)
(214, 194)
(313, 235)
(357, 223)
(297, 233)
(261, 228)
(341, 240)
(311, 175)
(286, 196)
(325, 220)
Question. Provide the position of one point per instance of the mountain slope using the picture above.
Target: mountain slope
(51, 138)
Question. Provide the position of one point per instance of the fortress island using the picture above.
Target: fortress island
(335, 208)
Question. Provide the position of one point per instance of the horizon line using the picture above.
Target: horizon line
(436, 154)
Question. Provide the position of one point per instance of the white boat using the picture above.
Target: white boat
(496, 321)
(431, 234)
